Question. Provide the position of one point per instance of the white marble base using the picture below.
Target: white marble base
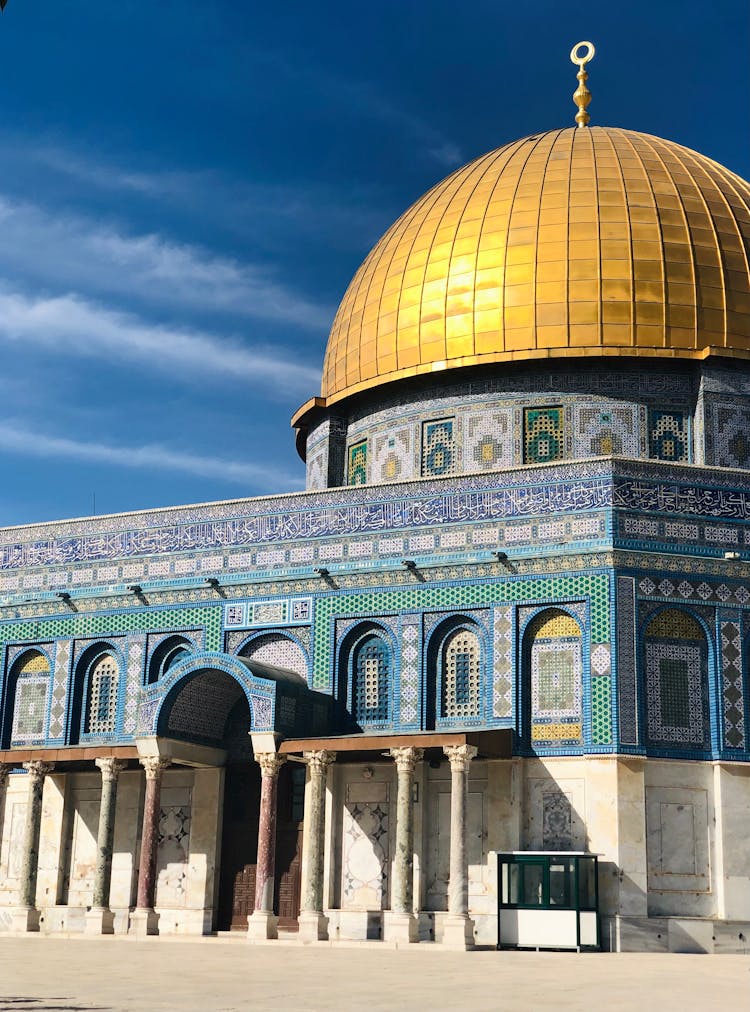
(144, 922)
(354, 925)
(400, 927)
(262, 925)
(690, 934)
(458, 932)
(99, 921)
(732, 936)
(185, 920)
(313, 926)
(633, 934)
(24, 919)
(63, 919)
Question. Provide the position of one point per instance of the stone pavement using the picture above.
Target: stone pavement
(40, 974)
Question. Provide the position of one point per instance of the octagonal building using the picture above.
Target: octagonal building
(509, 614)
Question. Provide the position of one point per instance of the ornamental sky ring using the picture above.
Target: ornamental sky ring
(581, 60)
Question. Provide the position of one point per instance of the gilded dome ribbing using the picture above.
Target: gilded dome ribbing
(574, 242)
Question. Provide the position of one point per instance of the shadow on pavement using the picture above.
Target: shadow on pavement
(19, 1004)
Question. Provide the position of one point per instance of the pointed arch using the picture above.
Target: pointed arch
(27, 698)
(552, 671)
(675, 671)
(166, 654)
(366, 666)
(455, 677)
(95, 704)
(277, 649)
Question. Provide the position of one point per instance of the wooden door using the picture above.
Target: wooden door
(288, 877)
(239, 846)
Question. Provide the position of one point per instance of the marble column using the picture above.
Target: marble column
(5, 769)
(400, 922)
(25, 916)
(144, 920)
(313, 924)
(262, 923)
(458, 928)
(100, 919)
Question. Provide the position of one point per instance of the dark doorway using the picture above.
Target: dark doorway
(239, 847)
(211, 708)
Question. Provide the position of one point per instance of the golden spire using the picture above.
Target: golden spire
(582, 95)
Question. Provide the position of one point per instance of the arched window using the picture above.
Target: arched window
(676, 670)
(461, 675)
(370, 680)
(554, 661)
(31, 692)
(168, 653)
(101, 711)
(278, 651)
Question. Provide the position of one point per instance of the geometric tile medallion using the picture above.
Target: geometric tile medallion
(731, 677)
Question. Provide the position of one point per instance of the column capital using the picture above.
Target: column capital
(37, 769)
(319, 760)
(5, 769)
(406, 757)
(460, 756)
(111, 768)
(270, 763)
(154, 766)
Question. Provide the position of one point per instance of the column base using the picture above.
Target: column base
(400, 927)
(262, 925)
(144, 921)
(99, 921)
(24, 919)
(458, 932)
(313, 926)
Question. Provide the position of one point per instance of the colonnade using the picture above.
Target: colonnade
(400, 921)
(99, 918)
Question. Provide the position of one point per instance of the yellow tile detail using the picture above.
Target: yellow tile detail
(555, 732)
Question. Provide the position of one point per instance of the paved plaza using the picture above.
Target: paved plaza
(218, 975)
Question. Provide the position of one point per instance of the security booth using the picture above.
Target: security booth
(548, 900)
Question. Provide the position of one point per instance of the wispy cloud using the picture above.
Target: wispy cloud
(68, 251)
(150, 457)
(70, 324)
(363, 99)
(274, 214)
(422, 135)
(105, 175)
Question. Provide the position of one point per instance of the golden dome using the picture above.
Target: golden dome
(575, 242)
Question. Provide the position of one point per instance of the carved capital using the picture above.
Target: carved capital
(406, 757)
(460, 756)
(270, 763)
(37, 769)
(154, 766)
(111, 768)
(319, 761)
(5, 769)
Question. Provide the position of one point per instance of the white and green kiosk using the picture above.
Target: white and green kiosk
(548, 900)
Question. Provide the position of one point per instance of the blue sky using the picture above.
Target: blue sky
(187, 188)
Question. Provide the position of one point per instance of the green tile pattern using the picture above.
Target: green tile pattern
(594, 586)
(601, 710)
(110, 624)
